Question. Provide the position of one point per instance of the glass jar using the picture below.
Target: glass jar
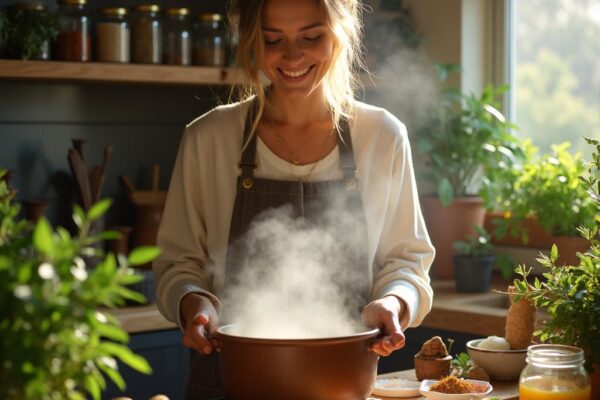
(27, 33)
(210, 48)
(74, 41)
(554, 372)
(112, 35)
(146, 34)
(177, 43)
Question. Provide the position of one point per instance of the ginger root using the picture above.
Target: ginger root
(520, 321)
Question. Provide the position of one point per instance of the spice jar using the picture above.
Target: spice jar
(74, 40)
(554, 372)
(112, 35)
(146, 34)
(33, 27)
(210, 48)
(177, 43)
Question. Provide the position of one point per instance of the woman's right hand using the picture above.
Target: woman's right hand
(201, 321)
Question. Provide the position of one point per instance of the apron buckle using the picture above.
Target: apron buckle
(247, 183)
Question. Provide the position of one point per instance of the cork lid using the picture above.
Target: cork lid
(151, 8)
(113, 11)
(177, 11)
(210, 17)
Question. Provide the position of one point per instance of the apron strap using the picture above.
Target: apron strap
(347, 163)
(248, 160)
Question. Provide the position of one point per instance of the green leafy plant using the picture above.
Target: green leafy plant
(468, 140)
(30, 27)
(549, 187)
(55, 340)
(461, 365)
(571, 294)
(475, 246)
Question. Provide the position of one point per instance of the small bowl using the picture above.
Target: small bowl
(430, 394)
(499, 364)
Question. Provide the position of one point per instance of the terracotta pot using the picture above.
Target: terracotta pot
(146, 223)
(34, 210)
(568, 246)
(336, 368)
(449, 224)
(538, 237)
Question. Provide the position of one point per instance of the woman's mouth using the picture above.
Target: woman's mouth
(295, 75)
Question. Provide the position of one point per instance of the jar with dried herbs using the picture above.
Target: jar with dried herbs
(177, 38)
(30, 29)
(210, 41)
(146, 34)
(112, 35)
(74, 40)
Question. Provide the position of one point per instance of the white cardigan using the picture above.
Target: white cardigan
(194, 231)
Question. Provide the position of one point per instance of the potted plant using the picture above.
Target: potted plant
(467, 141)
(548, 192)
(31, 28)
(473, 262)
(55, 341)
(571, 293)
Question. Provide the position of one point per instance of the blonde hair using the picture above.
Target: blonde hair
(341, 79)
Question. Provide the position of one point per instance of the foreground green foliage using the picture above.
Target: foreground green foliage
(55, 341)
(475, 246)
(571, 294)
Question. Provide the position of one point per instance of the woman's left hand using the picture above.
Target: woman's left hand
(384, 314)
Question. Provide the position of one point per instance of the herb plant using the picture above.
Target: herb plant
(549, 187)
(475, 246)
(571, 294)
(29, 28)
(55, 341)
(468, 140)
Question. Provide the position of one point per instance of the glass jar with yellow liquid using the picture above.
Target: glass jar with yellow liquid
(554, 372)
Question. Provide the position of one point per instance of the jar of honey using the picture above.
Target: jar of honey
(554, 372)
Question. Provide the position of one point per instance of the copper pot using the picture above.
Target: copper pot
(337, 368)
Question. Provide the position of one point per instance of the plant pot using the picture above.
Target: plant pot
(568, 246)
(447, 225)
(538, 237)
(473, 274)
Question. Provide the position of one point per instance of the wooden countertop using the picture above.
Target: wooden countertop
(481, 314)
(503, 390)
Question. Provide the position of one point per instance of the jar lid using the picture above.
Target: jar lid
(210, 17)
(113, 11)
(73, 2)
(147, 8)
(177, 11)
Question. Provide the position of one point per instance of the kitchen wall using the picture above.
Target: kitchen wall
(144, 123)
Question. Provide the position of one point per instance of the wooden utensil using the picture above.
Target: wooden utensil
(79, 145)
(128, 184)
(79, 170)
(147, 197)
(155, 177)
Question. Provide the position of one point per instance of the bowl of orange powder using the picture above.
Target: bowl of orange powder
(452, 388)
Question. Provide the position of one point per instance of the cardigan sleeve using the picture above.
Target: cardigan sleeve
(183, 266)
(404, 253)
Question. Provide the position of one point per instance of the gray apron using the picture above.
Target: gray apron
(307, 199)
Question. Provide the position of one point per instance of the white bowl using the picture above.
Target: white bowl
(499, 364)
(430, 394)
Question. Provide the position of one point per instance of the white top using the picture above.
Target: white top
(194, 231)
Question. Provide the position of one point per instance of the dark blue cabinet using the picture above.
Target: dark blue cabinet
(170, 364)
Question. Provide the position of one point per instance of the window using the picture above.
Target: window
(555, 71)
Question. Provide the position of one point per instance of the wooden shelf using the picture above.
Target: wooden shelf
(117, 73)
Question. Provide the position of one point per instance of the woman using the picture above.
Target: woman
(300, 133)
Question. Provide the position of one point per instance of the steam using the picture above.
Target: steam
(295, 281)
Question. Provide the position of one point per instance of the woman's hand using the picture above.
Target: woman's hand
(200, 321)
(384, 314)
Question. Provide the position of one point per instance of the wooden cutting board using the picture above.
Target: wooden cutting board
(504, 390)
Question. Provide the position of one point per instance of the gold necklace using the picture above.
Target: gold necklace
(323, 150)
(292, 157)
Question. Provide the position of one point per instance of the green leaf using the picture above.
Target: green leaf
(92, 386)
(143, 255)
(127, 356)
(99, 209)
(445, 192)
(113, 332)
(114, 375)
(78, 215)
(42, 237)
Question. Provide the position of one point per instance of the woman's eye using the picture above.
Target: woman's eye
(313, 38)
(271, 42)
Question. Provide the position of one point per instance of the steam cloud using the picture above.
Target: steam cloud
(294, 283)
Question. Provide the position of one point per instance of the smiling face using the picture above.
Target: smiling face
(298, 45)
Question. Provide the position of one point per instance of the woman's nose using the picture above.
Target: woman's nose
(292, 52)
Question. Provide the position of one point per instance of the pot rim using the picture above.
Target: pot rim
(368, 334)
